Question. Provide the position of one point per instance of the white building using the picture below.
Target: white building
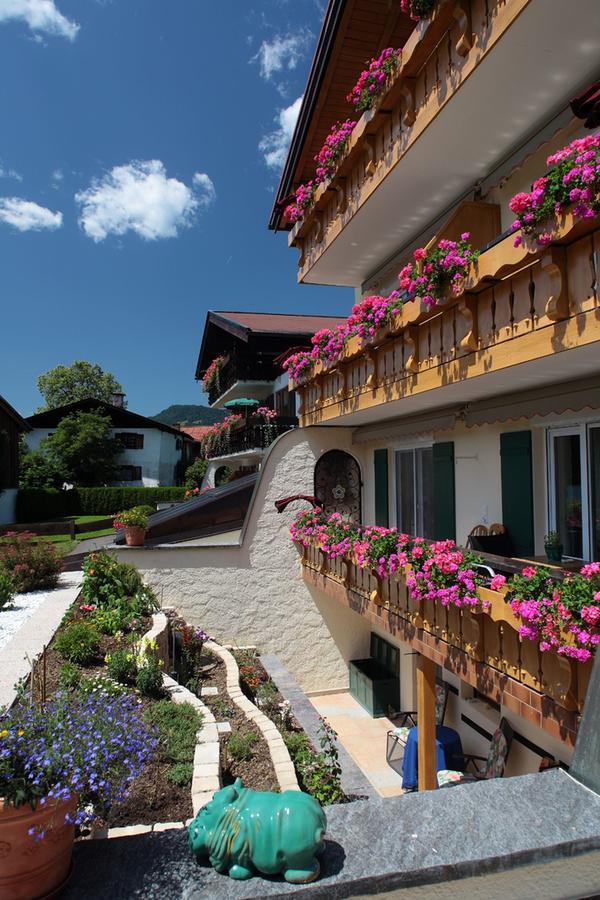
(154, 454)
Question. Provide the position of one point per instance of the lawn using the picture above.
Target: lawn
(65, 541)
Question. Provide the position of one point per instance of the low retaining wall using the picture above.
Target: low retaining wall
(282, 762)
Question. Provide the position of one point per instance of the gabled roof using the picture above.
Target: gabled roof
(297, 329)
(120, 417)
(11, 412)
(196, 432)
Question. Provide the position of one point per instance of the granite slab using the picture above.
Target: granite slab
(372, 845)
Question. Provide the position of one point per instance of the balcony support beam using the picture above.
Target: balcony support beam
(426, 720)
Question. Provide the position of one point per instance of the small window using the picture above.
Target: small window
(128, 473)
(130, 440)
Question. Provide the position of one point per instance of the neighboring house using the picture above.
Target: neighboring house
(154, 454)
(481, 410)
(12, 426)
(246, 351)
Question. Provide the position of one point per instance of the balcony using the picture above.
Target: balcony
(536, 308)
(252, 436)
(241, 378)
(483, 648)
(407, 159)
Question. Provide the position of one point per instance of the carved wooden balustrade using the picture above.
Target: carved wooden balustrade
(520, 304)
(489, 637)
(436, 60)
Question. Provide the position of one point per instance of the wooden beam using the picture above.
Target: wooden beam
(426, 720)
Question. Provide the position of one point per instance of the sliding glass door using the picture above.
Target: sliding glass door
(574, 489)
(414, 491)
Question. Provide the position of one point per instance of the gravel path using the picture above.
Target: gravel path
(27, 625)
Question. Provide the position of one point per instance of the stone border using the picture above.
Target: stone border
(282, 763)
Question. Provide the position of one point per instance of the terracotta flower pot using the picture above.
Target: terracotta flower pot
(135, 535)
(30, 867)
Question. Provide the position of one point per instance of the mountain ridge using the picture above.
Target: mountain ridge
(188, 414)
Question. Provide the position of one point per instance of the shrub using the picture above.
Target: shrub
(68, 676)
(239, 746)
(149, 681)
(249, 680)
(31, 565)
(114, 619)
(318, 772)
(122, 666)
(181, 774)
(7, 588)
(40, 505)
(194, 475)
(79, 643)
(106, 581)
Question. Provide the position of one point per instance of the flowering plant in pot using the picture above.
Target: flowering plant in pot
(333, 149)
(432, 272)
(573, 179)
(62, 764)
(304, 198)
(560, 615)
(135, 524)
(553, 546)
(417, 9)
(372, 80)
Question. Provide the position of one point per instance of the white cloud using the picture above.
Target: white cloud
(57, 176)
(274, 146)
(139, 197)
(40, 15)
(25, 215)
(9, 173)
(283, 52)
(205, 189)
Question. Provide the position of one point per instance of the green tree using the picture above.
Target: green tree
(80, 381)
(38, 470)
(194, 474)
(84, 448)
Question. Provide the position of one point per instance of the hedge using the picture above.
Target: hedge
(42, 505)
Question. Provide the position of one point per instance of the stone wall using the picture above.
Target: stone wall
(252, 592)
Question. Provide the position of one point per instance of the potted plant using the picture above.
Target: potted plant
(62, 764)
(135, 524)
(553, 547)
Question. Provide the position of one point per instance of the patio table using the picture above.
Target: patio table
(448, 751)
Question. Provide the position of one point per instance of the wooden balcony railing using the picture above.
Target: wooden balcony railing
(520, 304)
(236, 370)
(436, 61)
(482, 647)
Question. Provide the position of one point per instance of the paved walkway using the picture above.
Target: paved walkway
(75, 557)
(33, 620)
(362, 737)
(354, 782)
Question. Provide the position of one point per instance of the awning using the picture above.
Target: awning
(396, 429)
(570, 396)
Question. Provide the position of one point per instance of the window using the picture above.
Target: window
(574, 489)
(414, 491)
(130, 440)
(128, 473)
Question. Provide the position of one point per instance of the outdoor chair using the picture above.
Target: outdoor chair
(397, 737)
(493, 765)
(494, 539)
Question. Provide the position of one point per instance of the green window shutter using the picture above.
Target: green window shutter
(517, 490)
(444, 499)
(382, 511)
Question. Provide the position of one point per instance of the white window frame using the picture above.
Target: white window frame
(423, 443)
(586, 531)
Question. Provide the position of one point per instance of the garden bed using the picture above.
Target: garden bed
(152, 796)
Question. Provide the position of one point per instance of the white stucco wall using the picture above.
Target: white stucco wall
(8, 499)
(157, 458)
(253, 593)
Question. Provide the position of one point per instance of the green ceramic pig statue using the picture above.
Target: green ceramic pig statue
(242, 831)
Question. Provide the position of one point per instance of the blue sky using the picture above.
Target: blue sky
(140, 149)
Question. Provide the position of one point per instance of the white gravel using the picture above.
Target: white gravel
(23, 606)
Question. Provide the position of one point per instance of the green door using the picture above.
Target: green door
(517, 490)
(382, 511)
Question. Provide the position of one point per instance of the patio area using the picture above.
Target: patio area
(362, 737)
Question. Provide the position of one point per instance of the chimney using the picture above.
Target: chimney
(118, 399)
